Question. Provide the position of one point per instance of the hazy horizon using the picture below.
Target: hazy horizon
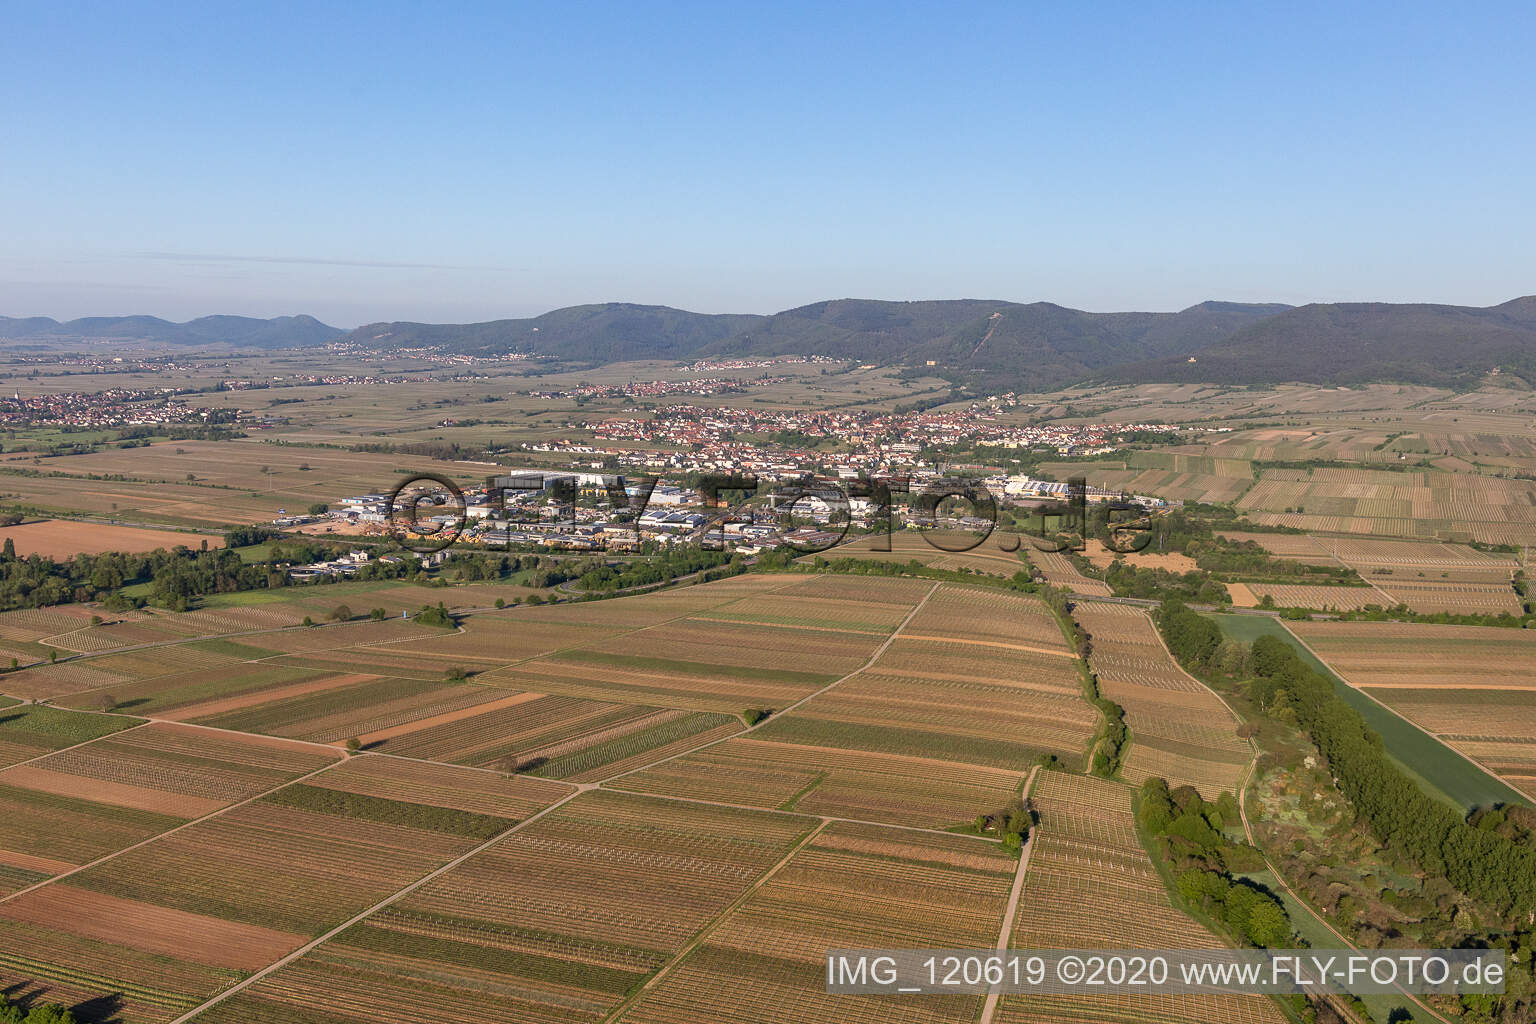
(768, 312)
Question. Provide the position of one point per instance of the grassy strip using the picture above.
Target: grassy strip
(384, 811)
(90, 811)
(518, 964)
(688, 668)
(991, 751)
(307, 706)
(233, 649)
(628, 745)
(51, 727)
(804, 791)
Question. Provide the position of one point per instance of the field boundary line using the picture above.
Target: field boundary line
(709, 927)
(1011, 911)
(152, 720)
(171, 831)
(72, 746)
(289, 958)
(879, 651)
(991, 643)
(825, 818)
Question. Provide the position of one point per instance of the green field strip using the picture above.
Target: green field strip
(427, 817)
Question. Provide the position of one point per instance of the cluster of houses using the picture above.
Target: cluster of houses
(113, 407)
(349, 564)
(577, 511)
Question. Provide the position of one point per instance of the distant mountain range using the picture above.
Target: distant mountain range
(999, 345)
(240, 332)
(1034, 345)
(1041, 345)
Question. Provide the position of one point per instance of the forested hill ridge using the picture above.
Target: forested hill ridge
(991, 344)
(1042, 345)
(1015, 345)
(1356, 342)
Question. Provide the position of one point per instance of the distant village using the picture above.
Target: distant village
(577, 512)
(701, 386)
(113, 407)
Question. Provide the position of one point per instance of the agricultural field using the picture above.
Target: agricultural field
(209, 903)
(63, 538)
(1473, 687)
(28, 731)
(558, 921)
(209, 484)
(578, 691)
(946, 721)
(128, 649)
(1427, 599)
(1057, 570)
(1184, 475)
(1180, 730)
(1426, 505)
(939, 549)
(1456, 598)
(1173, 561)
(1300, 547)
(1418, 655)
(1090, 885)
(851, 887)
(1302, 595)
(67, 809)
(558, 737)
(748, 651)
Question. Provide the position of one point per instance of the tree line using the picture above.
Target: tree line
(1188, 835)
(1496, 868)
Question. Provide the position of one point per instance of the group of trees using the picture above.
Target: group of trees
(179, 580)
(1109, 749)
(1194, 639)
(1487, 857)
(1188, 833)
(1128, 580)
(39, 1013)
(438, 616)
(1190, 531)
(176, 574)
(1493, 867)
(668, 564)
(1011, 822)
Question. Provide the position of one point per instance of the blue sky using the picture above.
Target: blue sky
(467, 161)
